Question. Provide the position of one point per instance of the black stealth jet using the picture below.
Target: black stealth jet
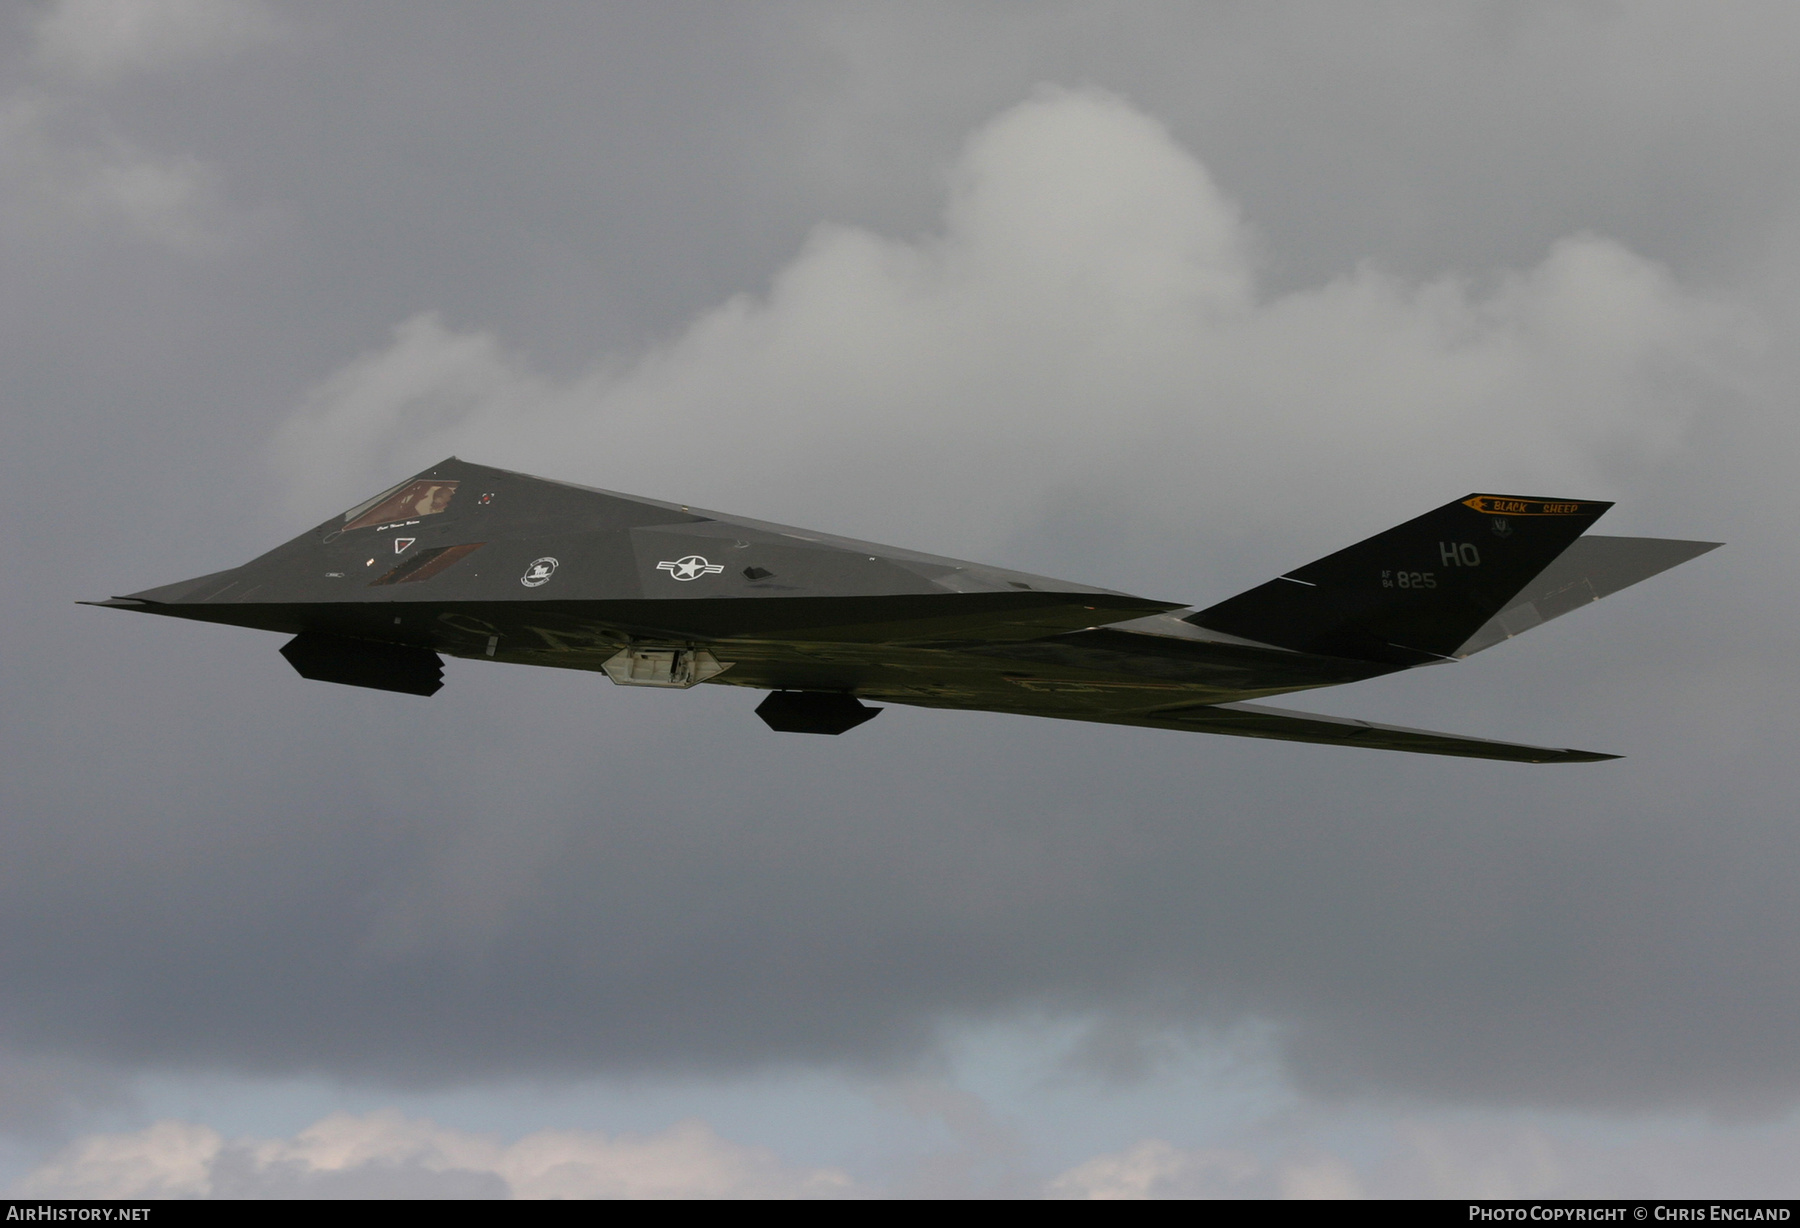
(486, 564)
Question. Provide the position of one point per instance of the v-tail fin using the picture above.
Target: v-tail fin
(1416, 593)
(1591, 568)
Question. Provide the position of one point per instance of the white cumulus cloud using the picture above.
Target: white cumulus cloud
(65, 161)
(1156, 1169)
(102, 40)
(171, 1159)
(59, 166)
(1086, 320)
(1462, 1158)
(386, 1154)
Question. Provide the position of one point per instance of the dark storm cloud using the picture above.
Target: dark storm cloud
(211, 864)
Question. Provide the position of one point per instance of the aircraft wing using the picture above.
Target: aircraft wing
(1285, 725)
(1163, 682)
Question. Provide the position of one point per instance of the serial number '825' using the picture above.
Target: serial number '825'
(1408, 579)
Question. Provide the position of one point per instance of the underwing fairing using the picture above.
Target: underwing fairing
(485, 564)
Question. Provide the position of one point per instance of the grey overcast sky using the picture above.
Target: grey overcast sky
(1163, 297)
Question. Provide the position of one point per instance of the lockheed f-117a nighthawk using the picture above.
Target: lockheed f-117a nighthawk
(486, 564)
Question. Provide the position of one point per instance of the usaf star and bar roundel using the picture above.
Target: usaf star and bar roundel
(690, 568)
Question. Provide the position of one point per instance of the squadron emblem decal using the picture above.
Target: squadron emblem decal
(1499, 505)
(690, 568)
(539, 572)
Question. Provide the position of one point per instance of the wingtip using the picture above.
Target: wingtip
(1581, 756)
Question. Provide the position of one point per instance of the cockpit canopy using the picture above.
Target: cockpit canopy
(402, 503)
